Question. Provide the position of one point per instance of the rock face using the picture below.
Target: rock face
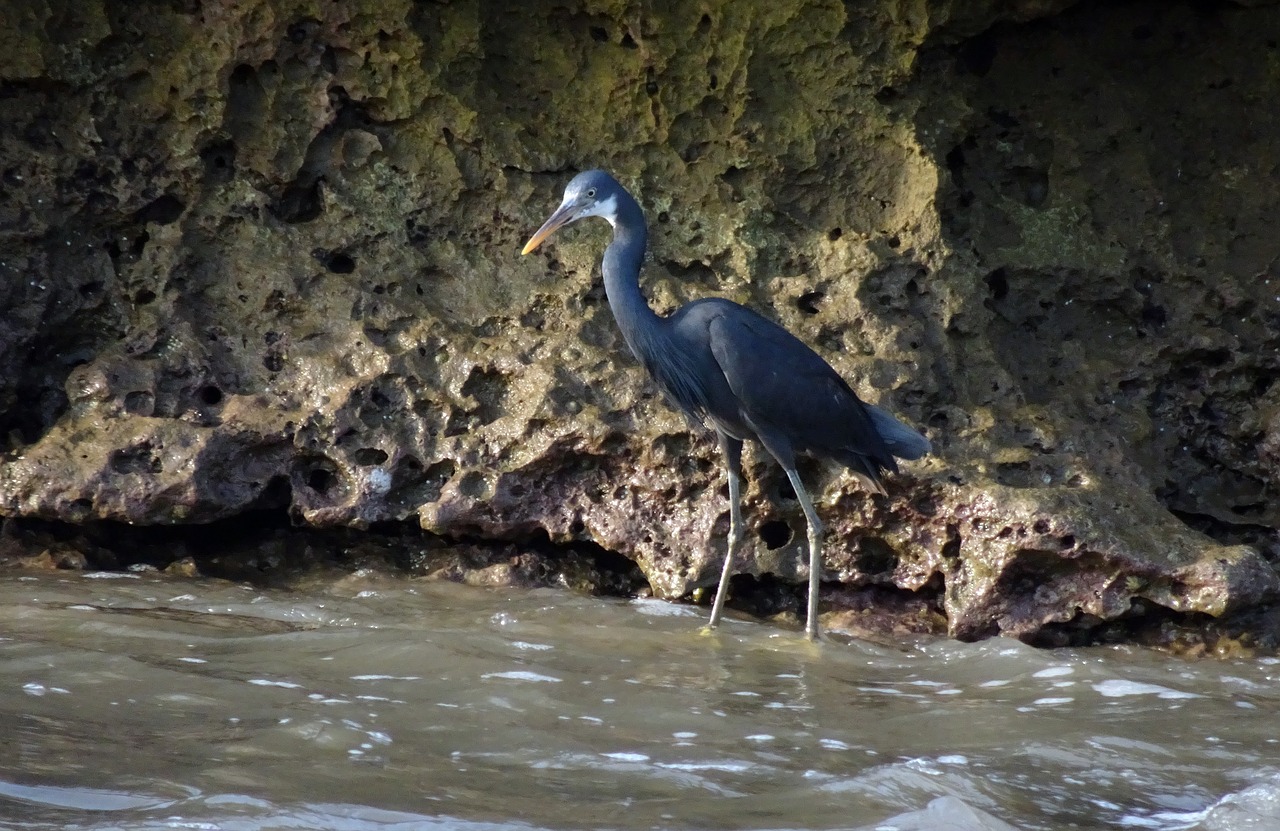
(263, 256)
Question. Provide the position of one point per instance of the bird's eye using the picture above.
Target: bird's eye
(591, 193)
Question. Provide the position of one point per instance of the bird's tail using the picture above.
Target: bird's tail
(898, 438)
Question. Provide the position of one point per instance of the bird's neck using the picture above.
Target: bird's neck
(621, 268)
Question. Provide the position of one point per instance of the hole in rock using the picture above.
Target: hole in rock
(277, 493)
(322, 478)
(978, 54)
(140, 458)
(303, 29)
(140, 402)
(775, 533)
(162, 211)
(998, 284)
(808, 302)
(875, 556)
(370, 456)
(473, 485)
(219, 160)
(300, 202)
(338, 262)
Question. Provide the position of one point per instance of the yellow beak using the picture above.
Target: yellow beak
(562, 216)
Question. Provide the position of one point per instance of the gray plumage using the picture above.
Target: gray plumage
(738, 372)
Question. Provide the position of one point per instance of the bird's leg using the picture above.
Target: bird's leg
(815, 551)
(733, 461)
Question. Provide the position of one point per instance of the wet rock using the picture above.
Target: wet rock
(186, 567)
(260, 551)
(255, 261)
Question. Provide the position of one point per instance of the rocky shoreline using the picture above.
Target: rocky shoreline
(260, 260)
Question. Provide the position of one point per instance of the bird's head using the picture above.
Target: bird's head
(592, 193)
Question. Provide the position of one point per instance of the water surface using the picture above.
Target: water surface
(146, 702)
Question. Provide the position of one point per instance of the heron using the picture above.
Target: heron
(738, 373)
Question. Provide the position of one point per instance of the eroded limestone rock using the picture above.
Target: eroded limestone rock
(263, 257)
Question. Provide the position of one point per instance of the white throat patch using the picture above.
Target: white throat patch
(606, 208)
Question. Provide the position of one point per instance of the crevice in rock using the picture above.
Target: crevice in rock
(36, 408)
(141, 458)
(413, 484)
(300, 201)
(1190, 634)
(263, 547)
(164, 210)
(763, 596)
(886, 610)
(1264, 538)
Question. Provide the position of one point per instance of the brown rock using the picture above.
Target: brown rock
(252, 261)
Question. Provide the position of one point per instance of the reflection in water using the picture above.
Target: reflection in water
(151, 702)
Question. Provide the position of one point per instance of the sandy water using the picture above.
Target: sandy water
(142, 701)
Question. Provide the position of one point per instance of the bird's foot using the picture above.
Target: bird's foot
(813, 624)
(810, 649)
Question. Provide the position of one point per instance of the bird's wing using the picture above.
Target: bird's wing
(782, 383)
(902, 441)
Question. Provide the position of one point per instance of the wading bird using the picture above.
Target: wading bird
(739, 373)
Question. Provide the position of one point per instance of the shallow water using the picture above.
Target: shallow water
(141, 702)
